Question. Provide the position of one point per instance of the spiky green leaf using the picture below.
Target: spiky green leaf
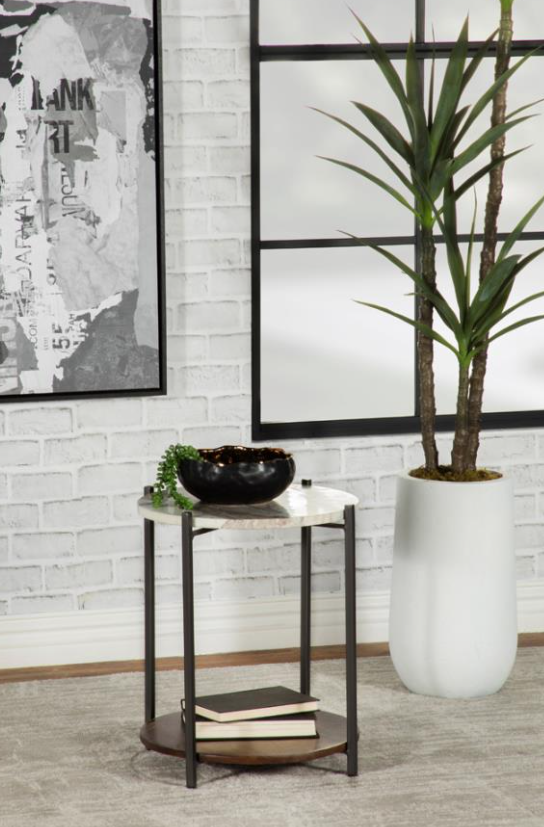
(448, 225)
(497, 279)
(497, 307)
(417, 110)
(447, 314)
(387, 69)
(481, 173)
(490, 93)
(389, 133)
(497, 318)
(518, 229)
(520, 109)
(430, 105)
(477, 147)
(423, 328)
(377, 149)
(446, 149)
(515, 326)
(452, 87)
(468, 269)
(375, 180)
(477, 59)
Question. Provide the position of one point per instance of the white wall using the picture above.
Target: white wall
(70, 473)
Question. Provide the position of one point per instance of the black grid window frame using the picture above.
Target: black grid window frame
(317, 52)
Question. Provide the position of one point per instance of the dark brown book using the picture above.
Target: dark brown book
(268, 702)
(282, 726)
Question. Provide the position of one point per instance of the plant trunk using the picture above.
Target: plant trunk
(494, 198)
(427, 403)
(459, 454)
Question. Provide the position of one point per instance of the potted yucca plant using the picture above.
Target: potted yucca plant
(453, 605)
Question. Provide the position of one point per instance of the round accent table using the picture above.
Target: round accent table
(301, 506)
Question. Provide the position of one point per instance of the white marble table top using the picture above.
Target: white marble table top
(298, 506)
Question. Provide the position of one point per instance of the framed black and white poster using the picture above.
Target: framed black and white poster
(81, 264)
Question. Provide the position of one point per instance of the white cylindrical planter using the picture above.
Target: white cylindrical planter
(453, 620)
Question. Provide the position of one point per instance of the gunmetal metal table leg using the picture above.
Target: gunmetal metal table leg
(351, 639)
(149, 614)
(188, 646)
(305, 608)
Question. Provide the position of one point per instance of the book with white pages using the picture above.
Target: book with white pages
(245, 705)
(302, 725)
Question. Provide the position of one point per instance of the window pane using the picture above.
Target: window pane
(515, 374)
(330, 21)
(524, 174)
(322, 355)
(484, 15)
(303, 196)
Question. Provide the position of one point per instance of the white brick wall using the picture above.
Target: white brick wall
(71, 472)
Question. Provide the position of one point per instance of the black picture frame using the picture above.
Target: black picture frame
(259, 54)
(158, 387)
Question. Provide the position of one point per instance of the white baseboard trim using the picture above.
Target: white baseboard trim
(95, 637)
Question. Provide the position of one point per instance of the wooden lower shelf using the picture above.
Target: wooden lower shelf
(166, 734)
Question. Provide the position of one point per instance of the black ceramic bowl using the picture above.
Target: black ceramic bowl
(234, 475)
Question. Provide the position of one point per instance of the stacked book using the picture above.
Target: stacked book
(270, 712)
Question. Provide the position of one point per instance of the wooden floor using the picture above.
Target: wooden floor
(86, 670)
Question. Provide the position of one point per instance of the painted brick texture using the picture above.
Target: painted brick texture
(70, 473)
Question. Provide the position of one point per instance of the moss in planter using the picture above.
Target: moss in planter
(444, 473)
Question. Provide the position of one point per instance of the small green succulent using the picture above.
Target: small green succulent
(166, 484)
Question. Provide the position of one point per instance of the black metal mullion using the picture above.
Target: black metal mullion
(161, 199)
(188, 647)
(383, 241)
(350, 576)
(149, 614)
(420, 21)
(389, 425)
(305, 606)
(355, 51)
(312, 243)
(255, 80)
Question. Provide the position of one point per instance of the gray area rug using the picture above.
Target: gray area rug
(70, 756)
